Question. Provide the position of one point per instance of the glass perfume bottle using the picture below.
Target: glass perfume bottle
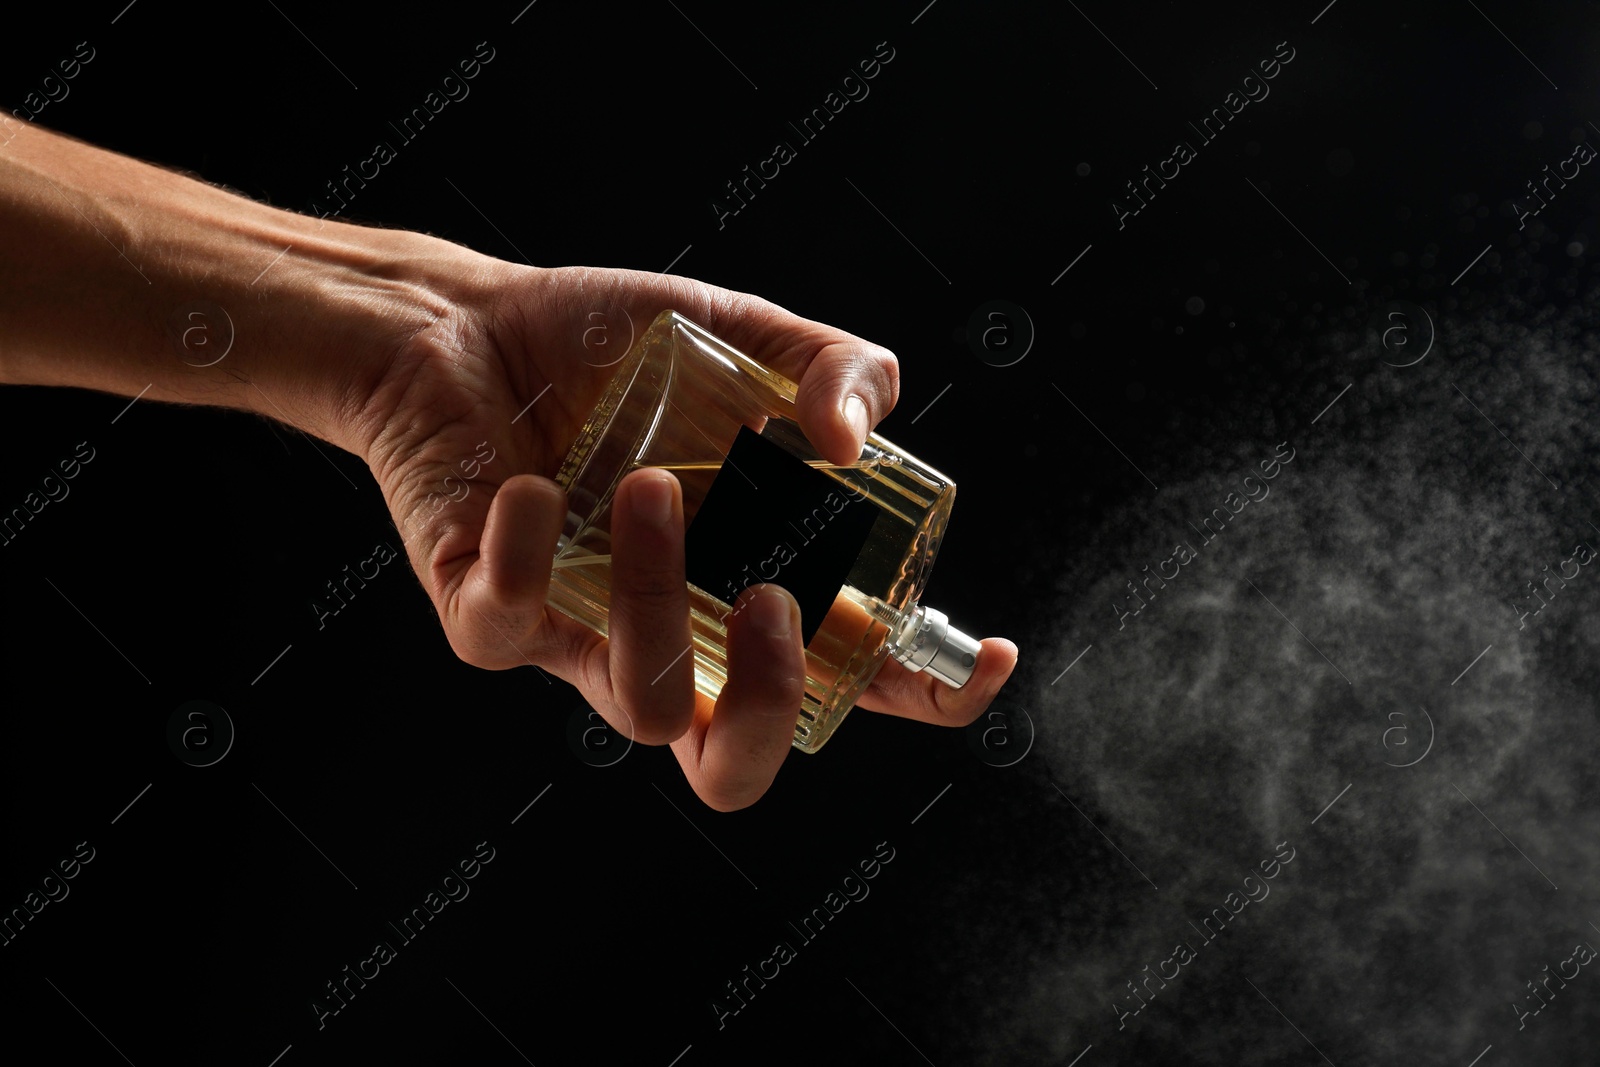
(853, 544)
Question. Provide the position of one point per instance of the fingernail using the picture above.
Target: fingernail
(653, 499)
(855, 413)
(769, 613)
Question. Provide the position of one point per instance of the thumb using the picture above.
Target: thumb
(493, 599)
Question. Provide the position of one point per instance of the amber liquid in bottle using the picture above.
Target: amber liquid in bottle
(678, 401)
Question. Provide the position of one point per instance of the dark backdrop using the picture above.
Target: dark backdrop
(1349, 273)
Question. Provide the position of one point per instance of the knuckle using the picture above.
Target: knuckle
(882, 371)
(474, 654)
(652, 588)
(489, 636)
(863, 368)
(889, 367)
(657, 719)
(788, 693)
(767, 686)
(625, 722)
(593, 672)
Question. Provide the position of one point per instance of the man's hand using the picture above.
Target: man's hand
(482, 535)
(462, 380)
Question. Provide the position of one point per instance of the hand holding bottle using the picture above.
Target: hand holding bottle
(461, 380)
(485, 559)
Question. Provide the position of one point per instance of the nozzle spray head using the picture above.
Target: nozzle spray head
(927, 642)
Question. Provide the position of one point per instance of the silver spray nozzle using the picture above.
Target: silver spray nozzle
(927, 642)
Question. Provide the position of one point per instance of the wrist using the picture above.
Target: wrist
(324, 327)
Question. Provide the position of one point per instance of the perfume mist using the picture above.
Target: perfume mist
(853, 543)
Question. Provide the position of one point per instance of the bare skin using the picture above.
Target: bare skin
(410, 352)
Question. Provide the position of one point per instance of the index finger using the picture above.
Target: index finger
(828, 365)
(845, 384)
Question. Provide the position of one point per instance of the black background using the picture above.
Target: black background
(983, 162)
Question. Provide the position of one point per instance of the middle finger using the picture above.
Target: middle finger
(651, 666)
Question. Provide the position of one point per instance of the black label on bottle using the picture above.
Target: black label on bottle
(771, 517)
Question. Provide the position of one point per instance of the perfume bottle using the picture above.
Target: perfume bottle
(852, 543)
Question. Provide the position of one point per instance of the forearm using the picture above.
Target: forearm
(116, 275)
